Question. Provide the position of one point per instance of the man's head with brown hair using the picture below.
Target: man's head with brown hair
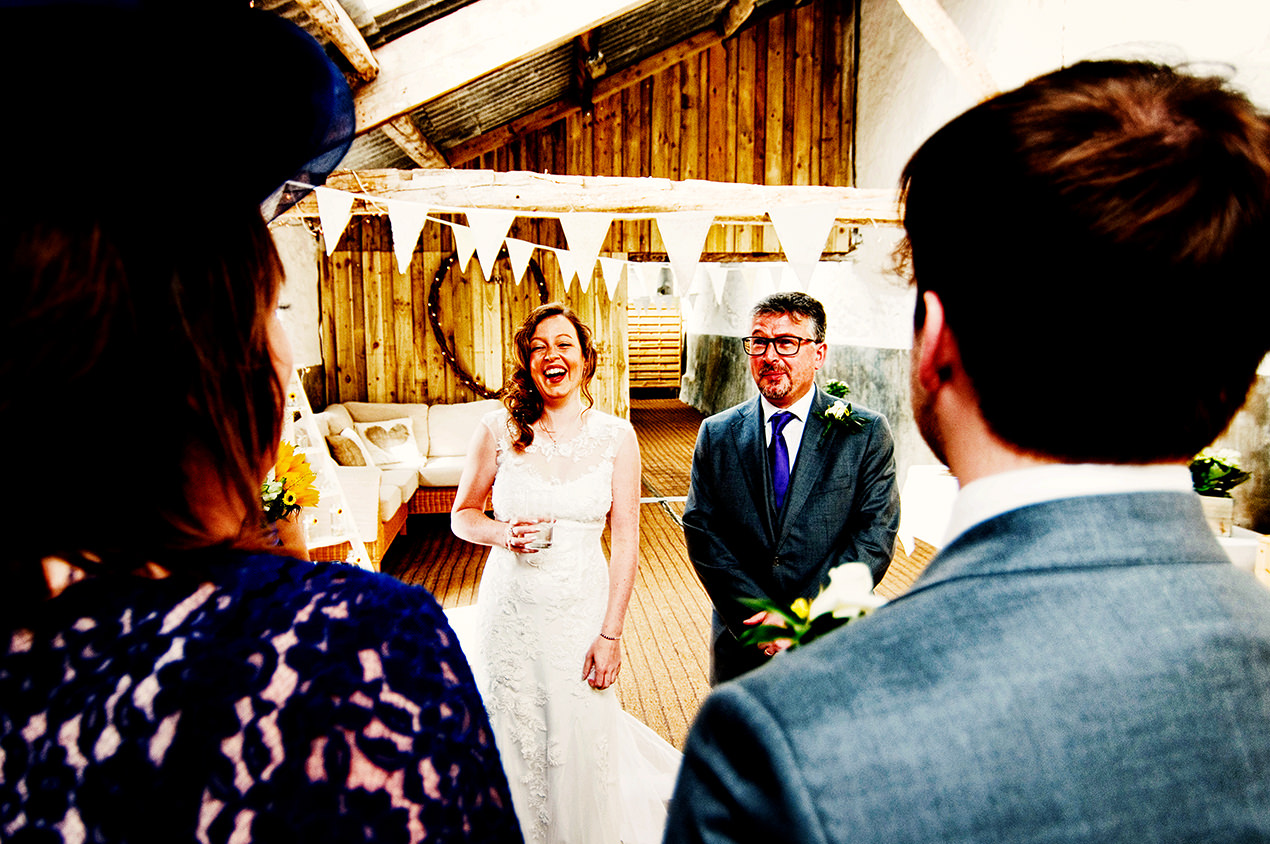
(1097, 240)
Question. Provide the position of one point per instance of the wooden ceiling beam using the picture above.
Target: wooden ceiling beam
(535, 194)
(468, 43)
(933, 22)
(404, 132)
(330, 17)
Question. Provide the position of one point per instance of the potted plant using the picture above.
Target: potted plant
(1214, 473)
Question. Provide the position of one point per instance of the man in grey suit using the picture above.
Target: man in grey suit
(780, 494)
(1080, 662)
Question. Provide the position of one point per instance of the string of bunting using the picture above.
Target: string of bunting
(802, 231)
(434, 319)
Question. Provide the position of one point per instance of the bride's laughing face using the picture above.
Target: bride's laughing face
(556, 362)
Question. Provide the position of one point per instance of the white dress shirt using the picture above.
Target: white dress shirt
(793, 430)
(996, 494)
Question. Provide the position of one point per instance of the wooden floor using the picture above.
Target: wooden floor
(665, 650)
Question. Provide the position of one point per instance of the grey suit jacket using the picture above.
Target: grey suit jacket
(842, 506)
(1091, 669)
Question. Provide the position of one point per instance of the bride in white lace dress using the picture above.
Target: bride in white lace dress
(544, 639)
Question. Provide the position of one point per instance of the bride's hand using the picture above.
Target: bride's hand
(603, 661)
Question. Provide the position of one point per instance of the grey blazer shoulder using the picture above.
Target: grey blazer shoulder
(1080, 670)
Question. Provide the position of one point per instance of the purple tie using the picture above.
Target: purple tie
(780, 456)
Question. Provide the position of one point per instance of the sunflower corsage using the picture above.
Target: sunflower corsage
(289, 485)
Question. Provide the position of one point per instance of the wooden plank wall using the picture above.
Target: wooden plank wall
(378, 344)
(771, 105)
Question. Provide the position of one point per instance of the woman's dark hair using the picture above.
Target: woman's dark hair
(135, 356)
(520, 396)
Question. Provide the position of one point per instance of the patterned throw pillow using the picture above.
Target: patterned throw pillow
(390, 442)
(348, 449)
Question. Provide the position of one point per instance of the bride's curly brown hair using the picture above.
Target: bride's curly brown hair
(520, 395)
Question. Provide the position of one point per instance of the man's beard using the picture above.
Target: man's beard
(777, 391)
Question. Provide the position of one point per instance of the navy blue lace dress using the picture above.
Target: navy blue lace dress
(276, 700)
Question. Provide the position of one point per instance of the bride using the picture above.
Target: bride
(545, 642)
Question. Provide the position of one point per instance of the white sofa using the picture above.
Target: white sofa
(396, 459)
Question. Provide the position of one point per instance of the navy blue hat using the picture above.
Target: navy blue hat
(157, 105)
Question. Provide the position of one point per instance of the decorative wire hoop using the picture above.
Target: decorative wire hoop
(434, 317)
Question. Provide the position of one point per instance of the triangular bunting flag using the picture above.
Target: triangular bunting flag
(763, 283)
(636, 286)
(613, 269)
(564, 260)
(489, 228)
(652, 275)
(585, 233)
(335, 208)
(464, 245)
(803, 230)
(718, 280)
(406, 220)
(790, 279)
(684, 235)
(519, 252)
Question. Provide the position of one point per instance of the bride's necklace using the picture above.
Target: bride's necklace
(551, 433)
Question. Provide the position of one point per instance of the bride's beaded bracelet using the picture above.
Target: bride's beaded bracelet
(604, 635)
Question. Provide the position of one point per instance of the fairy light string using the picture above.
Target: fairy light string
(434, 318)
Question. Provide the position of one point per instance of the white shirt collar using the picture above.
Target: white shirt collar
(801, 408)
(996, 494)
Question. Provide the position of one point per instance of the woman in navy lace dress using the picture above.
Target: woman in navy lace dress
(164, 677)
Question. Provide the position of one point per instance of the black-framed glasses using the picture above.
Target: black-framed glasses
(786, 345)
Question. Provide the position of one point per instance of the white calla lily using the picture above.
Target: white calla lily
(849, 593)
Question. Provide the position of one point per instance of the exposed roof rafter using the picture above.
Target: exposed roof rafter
(469, 43)
(330, 17)
(933, 22)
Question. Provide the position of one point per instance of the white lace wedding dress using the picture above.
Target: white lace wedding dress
(581, 770)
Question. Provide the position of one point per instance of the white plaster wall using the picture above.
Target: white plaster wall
(298, 300)
(906, 92)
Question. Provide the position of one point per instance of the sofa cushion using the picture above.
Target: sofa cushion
(391, 443)
(397, 486)
(450, 428)
(377, 411)
(333, 420)
(348, 449)
(442, 471)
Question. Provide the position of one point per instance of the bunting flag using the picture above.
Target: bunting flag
(405, 219)
(464, 245)
(636, 284)
(802, 231)
(763, 283)
(519, 253)
(613, 270)
(789, 280)
(564, 260)
(489, 230)
(684, 234)
(718, 280)
(335, 209)
(585, 234)
(685, 311)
